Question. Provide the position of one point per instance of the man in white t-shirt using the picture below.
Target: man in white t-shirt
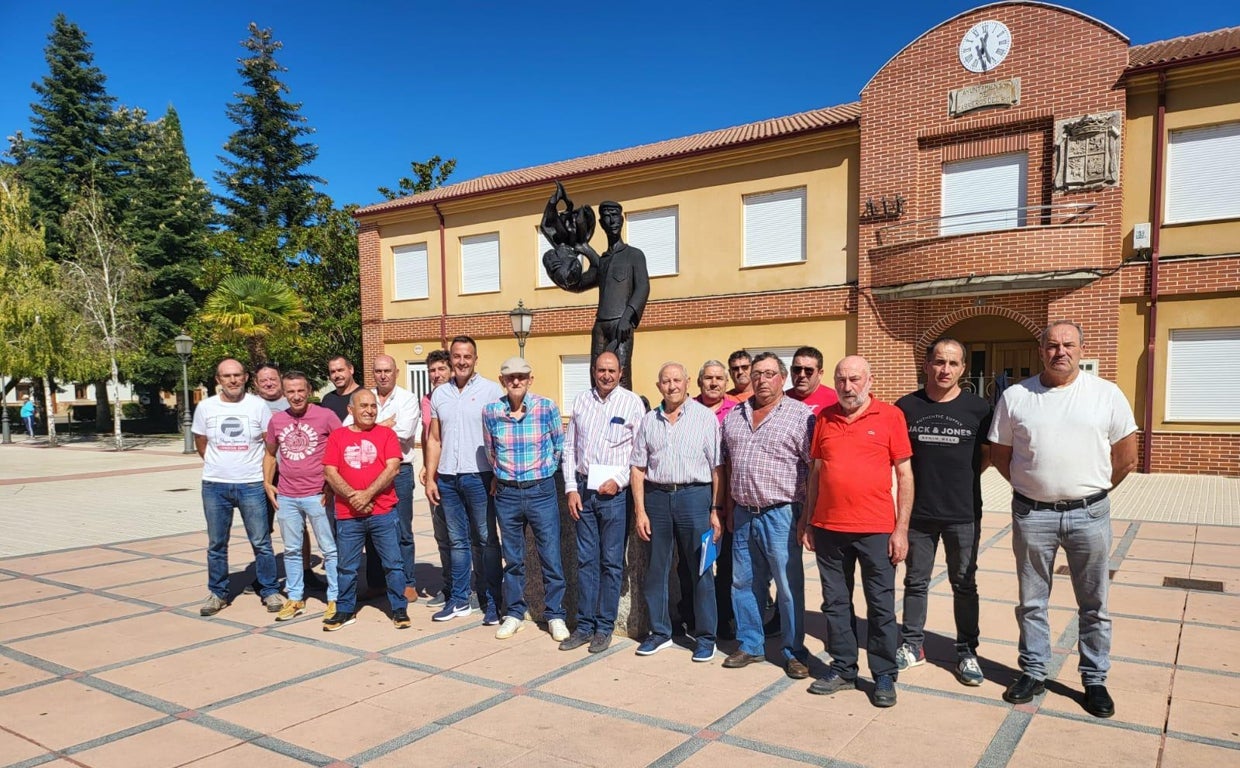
(1063, 439)
(229, 431)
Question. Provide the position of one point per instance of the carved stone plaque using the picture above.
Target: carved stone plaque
(1001, 93)
(1087, 152)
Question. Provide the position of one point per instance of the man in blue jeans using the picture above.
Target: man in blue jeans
(229, 430)
(1063, 439)
(524, 438)
(598, 452)
(458, 476)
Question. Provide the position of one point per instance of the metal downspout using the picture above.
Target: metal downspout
(443, 281)
(1156, 215)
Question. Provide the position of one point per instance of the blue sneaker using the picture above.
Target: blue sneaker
(884, 691)
(491, 617)
(450, 612)
(705, 651)
(653, 644)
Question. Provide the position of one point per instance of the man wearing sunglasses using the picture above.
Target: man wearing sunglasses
(739, 363)
(807, 381)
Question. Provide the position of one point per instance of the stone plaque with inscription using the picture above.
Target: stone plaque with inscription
(1001, 93)
(1087, 152)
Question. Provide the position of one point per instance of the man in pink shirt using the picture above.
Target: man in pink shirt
(807, 386)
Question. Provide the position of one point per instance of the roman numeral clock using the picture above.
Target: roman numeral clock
(985, 46)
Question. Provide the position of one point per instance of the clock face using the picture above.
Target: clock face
(985, 46)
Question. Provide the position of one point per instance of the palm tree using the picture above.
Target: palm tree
(252, 309)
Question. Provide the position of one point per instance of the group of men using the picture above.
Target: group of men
(752, 474)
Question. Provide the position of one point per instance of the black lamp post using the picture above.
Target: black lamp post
(185, 348)
(522, 321)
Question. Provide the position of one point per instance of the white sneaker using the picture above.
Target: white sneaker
(558, 629)
(511, 626)
(906, 657)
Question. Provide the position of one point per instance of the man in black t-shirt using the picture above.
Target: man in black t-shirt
(947, 428)
(340, 373)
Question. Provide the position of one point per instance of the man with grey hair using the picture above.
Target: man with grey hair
(677, 496)
(1063, 439)
(712, 393)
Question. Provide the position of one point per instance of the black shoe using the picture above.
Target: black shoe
(831, 683)
(338, 621)
(741, 659)
(600, 643)
(401, 619)
(576, 640)
(1023, 690)
(884, 691)
(1098, 702)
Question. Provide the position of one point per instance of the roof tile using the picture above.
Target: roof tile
(1187, 47)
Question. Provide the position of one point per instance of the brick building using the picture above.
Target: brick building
(1016, 164)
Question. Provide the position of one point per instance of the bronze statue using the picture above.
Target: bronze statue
(620, 273)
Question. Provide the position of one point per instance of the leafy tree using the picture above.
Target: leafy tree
(254, 309)
(263, 171)
(426, 176)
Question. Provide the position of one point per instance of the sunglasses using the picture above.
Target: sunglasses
(798, 370)
(739, 368)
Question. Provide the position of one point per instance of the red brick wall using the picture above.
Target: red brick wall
(1180, 276)
(372, 295)
(1068, 66)
(1210, 453)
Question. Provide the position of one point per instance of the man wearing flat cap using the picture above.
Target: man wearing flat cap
(524, 439)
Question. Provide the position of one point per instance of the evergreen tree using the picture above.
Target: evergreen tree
(67, 149)
(263, 173)
(426, 176)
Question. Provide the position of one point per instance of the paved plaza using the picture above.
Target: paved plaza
(104, 660)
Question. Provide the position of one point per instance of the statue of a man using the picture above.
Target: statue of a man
(620, 274)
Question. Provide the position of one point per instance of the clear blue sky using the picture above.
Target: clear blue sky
(502, 85)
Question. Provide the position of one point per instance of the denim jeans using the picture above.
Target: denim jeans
(218, 501)
(29, 422)
(291, 512)
(350, 533)
(469, 509)
(600, 558)
(439, 524)
(538, 507)
(837, 555)
(404, 510)
(677, 520)
(1085, 535)
(765, 547)
(960, 542)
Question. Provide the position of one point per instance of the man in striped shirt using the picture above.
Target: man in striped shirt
(598, 449)
(524, 438)
(766, 444)
(677, 496)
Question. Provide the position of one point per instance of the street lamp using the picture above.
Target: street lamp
(522, 321)
(185, 348)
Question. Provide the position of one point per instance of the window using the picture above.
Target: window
(574, 379)
(656, 233)
(775, 228)
(480, 263)
(1203, 173)
(783, 353)
(983, 194)
(1203, 374)
(409, 272)
(543, 246)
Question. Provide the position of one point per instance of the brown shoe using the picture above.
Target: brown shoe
(796, 669)
(741, 659)
(411, 595)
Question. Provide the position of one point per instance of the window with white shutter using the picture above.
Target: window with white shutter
(480, 263)
(656, 233)
(543, 246)
(1203, 173)
(783, 353)
(984, 194)
(574, 379)
(774, 228)
(1203, 374)
(409, 272)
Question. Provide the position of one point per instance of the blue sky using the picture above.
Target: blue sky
(502, 85)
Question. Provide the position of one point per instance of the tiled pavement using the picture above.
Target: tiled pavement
(104, 661)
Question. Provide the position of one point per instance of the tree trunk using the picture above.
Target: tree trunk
(49, 412)
(101, 405)
(116, 406)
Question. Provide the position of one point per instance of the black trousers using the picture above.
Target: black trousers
(960, 542)
(838, 555)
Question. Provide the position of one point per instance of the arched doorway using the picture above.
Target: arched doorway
(999, 352)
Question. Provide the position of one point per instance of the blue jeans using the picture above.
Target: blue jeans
(600, 558)
(404, 509)
(29, 422)
(469, 510)
(765, 547)
(539, 507)
(1085, 535)
(678, 519)
(218, 501)
(350, 534)
(291, 511)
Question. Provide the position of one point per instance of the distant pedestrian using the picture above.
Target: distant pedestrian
(28, 411)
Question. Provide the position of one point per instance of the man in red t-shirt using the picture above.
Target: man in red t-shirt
(857, 443)
(807, 386)
(360, 463)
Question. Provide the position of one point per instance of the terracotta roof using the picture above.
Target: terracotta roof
(1182, 48)
(764, 130)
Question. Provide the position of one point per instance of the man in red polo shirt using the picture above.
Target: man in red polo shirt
(857, 443)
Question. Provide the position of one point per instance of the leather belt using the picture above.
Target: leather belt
(673, 487)
(521, 485)
(1060, 506)
(763, 510)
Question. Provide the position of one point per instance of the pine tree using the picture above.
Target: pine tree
(263, 173)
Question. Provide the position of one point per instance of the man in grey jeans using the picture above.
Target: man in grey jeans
(1064, 439)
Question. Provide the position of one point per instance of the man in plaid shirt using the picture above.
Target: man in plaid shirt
(524, 439)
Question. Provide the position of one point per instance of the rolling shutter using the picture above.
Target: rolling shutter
(655, 233)
(1203, 173)
(409, 272)
(1203, 374)
(984, 194)
(480, 263)
(574, 379)
(775, 227)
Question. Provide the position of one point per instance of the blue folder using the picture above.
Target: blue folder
(710, 552)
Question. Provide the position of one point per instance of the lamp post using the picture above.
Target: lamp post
(185, 347)
(6, 436)
(522, 321)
